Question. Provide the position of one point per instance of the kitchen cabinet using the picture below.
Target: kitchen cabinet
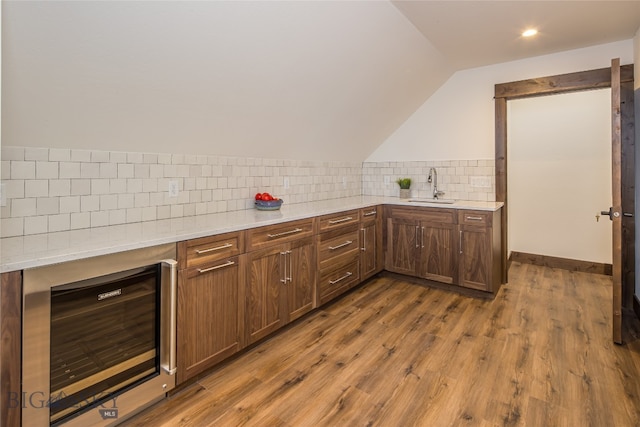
(479, 249)
(420, 242)
(371, 241)
(210, 292)
(458, 247)
(280, 277)
(338, 267)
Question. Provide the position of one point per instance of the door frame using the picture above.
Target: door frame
(566, 83)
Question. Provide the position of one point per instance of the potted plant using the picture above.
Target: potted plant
(405, 184)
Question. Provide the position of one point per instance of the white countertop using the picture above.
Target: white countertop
(19, 253)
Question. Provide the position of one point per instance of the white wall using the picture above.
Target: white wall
(280, 80)
(457, 122)
(559, 157)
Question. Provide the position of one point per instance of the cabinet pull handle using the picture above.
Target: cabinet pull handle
(217, 248)
(205, 270)
(460, 243)
(338, 221)
(347, 243)
(333, 282)
(284, 267)
(474, 218)
(172, 367)
(417, 244)
(422, 237)
(364, 239)
(370, 213)
(290, 266)
(284, 233)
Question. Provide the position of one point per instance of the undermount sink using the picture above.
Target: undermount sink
(438, 201)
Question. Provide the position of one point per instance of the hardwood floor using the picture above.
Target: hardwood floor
(393, 353)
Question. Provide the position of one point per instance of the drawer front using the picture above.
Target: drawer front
(197, 252)
(478, 218)
(338, 220)
(280, 233)
(370, 214)
(436, 215)
(337, 279)
(332, 246)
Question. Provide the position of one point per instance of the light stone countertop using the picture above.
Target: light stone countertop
(19, 253)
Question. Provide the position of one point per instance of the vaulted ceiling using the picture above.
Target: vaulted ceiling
(316, 80)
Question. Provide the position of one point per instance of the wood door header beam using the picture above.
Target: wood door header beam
(572, 82)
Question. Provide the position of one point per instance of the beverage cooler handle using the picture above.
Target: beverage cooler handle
(173, 298)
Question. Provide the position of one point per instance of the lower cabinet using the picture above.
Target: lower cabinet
(210, 310)
(449, 246)
(370, 242)
(279, 287)
(209, 315)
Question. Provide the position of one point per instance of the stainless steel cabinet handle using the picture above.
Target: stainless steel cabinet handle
(290, 266)
(347, 243)
(422, 237)
(173, 298)
(364, 239)
(284, 267)
(417, 244)
(226, 264)
(338, 221)
(474, 218)
(370, 213)
(333, 282)
(284, 233)
(217, 248)
(460, 243)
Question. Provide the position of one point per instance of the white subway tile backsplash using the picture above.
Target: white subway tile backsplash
(47, 205)
(69, 170)
(11, 227)
(73, 189)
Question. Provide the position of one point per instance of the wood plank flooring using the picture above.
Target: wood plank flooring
(393, 353)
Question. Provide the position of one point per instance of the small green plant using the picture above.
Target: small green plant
(404, 183)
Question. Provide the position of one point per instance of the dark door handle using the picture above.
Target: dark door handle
(610, 213)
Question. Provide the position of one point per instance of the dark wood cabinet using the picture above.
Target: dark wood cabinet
(280, 278)
(479, 250)
(370, 242)
(210, 313)
(338, 266)
(444, 245)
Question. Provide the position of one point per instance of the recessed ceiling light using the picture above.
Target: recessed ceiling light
(530, 32)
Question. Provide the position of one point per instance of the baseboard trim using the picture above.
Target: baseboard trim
(636, 306)
(563, 263)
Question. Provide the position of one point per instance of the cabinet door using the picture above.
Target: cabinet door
(300, 278)
(265, 292)
(475, 257)
(437, 257)
(369, 246)
(402, 246)
(208, 307)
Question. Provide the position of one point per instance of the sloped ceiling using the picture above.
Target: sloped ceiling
(476, 33)
(287, 80)
(315, 80)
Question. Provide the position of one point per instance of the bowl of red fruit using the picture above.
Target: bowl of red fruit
(266, 202)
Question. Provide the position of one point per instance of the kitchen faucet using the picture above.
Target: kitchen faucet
(433, 179)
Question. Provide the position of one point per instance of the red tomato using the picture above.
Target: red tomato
(267, 197)
(259, 196)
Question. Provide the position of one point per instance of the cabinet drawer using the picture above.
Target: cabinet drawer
(370, 214)
(479, 218)
(197, 252)
(338, 279)
(436, 215)
(279, 233)
(338, 220)
(332, 245)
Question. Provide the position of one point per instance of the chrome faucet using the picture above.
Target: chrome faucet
(433, 179)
